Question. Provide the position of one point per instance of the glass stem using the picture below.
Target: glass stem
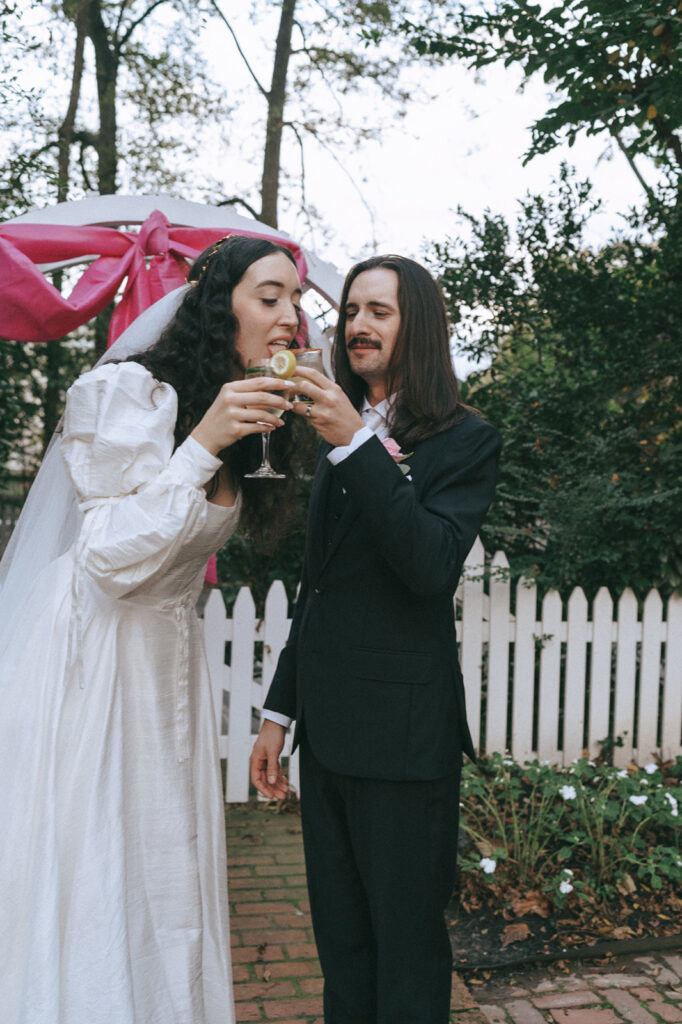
(265, 441)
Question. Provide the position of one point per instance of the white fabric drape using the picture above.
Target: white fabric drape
(112, 859)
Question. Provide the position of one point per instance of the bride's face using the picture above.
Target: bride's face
(266, 303)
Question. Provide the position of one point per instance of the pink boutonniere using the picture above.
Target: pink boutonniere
(393, 449)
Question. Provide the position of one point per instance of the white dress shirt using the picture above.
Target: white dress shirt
(374, 419)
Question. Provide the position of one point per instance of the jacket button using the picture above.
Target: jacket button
(318, 590)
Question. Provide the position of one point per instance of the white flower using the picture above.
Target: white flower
(673, 803)
(488, 865)
(623, 773)
(568, 792)
(567, 871)
(565, 888)
(637, 800)
(650, 768)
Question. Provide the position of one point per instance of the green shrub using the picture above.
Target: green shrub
(587, 834)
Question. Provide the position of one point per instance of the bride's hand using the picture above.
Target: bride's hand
(241, 408)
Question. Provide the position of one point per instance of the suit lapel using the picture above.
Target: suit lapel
(319, 511)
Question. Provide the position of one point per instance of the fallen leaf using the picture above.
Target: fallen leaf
(622, 932)
(532, 903)
(517, 932)
(626, 885)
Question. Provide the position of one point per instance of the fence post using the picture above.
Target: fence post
(574, 689)
(649, 677)
(239, 738)
(524, 671)
(472, 637)
(626, 664)
(275, 632)
(498, 655)
(550, 671)
(671, 739)
(600, 671)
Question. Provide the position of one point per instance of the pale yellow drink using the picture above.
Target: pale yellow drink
(312, 358)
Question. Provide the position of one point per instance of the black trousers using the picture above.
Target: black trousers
(380, 858)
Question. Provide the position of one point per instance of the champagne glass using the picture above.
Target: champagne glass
(312, 358)
(261, 368)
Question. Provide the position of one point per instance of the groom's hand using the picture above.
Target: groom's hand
(332, 415)
(266, 774)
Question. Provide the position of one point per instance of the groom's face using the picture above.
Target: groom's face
(372, 322)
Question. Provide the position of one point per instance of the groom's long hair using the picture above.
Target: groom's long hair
(420, 371)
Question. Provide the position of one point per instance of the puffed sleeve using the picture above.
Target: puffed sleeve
(141, 500)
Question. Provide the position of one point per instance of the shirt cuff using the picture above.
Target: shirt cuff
(192, 464)
(274, 716)
(337, 455)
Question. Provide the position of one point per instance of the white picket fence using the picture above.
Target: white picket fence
(540, 685)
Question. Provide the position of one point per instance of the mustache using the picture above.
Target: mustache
(365, 342)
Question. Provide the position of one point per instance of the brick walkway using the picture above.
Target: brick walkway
(634, 989)
(276, 972)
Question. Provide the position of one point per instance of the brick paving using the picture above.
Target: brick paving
(277, 976)
(633, 989)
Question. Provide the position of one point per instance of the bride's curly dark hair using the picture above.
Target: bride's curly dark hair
(197, 354)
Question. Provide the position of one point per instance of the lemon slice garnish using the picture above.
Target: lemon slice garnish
(283, 363)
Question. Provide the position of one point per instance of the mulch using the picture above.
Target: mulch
(488, 938)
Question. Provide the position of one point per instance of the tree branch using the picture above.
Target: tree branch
(44, 149)
(121, 10)
(304, 198)
(81, 163)
(264, 92)
(237, 199)
(630, 159)
(675, 145)
(86, 138)
(131, 28)
(350, 177)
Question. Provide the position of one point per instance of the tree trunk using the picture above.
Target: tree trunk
(106, 67)
(66, 129)
(276, 101)
(52, 394)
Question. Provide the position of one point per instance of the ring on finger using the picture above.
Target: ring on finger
(309, 411)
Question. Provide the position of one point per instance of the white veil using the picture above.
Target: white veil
(50, 519)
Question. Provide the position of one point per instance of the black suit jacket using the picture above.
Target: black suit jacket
(370, 668)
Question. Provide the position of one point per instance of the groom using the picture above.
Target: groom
(370, 670)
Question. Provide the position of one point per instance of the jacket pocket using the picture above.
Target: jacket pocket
(390, 666)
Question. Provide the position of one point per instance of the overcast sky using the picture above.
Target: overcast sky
(463, 147)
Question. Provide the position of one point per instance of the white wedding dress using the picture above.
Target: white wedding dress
(113, 886)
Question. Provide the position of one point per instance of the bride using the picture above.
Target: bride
(113, 891)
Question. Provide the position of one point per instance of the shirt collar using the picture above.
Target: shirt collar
(381, 408)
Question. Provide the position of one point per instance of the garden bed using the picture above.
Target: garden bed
(567, 862)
